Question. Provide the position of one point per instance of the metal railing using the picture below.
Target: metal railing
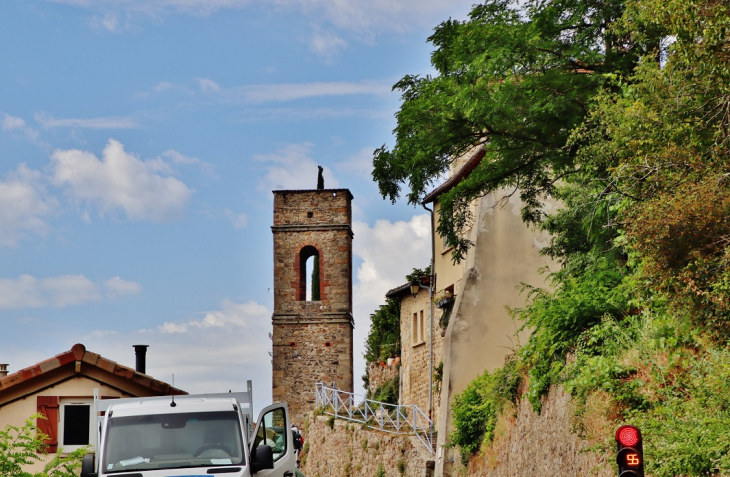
(406, 419)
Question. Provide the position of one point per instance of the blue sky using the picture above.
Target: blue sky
(139, 144)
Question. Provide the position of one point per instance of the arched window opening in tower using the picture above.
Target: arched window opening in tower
(309, 283)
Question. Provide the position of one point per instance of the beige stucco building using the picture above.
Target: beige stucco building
(62, 389)
(473, 331)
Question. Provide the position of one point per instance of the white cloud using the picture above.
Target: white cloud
(265, 93)
(116, 287)
(389, 251)
(238, 221)
(178, 158)
(208, 85)
(293, 168)
(68, 290)
(111, 122)
(120, 182)
(27, 291)
(24, 206)
(359, 164)
(231, 315)
(15, 124)
(165, 87)
(215, 353)
(326, 43)
(109, 22)
(363, 17)
(305, 114)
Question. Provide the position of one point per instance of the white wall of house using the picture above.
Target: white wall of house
(481, 333)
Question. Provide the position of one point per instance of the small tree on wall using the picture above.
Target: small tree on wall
(384, 336)
(315, 278)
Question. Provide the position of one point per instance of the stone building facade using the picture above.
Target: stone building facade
(417, 351)
(312, 332)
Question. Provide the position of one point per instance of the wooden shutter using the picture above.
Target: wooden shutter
(48, 407)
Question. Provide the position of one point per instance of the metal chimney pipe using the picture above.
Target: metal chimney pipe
(140, 352)
(3, 370)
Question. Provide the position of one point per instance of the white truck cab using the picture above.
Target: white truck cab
(191, 435)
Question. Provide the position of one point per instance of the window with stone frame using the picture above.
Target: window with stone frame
(417, 329)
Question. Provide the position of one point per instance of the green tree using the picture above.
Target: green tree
(665, 131)
(516, 78)
(384, 336)
(23, 446)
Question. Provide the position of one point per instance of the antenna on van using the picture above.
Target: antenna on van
(172, 404)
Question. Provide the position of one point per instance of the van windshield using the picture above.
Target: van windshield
(172, 441)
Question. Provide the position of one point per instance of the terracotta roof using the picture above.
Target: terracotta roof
(397, 291)
(465, 170)
(78, 353)
(401, 290)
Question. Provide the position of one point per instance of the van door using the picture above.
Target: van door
(274, 429)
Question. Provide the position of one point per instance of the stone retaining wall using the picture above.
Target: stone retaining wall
(542, 445)
(344, 449)
(379, 374)
(526, 444)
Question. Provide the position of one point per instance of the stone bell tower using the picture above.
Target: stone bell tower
(312, 317)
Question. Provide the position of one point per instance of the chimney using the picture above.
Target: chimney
(3, 370)
(140, 351)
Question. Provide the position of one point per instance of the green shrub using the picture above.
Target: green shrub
(402, 466)
(475, 410)
(387, 392)
(24, 446)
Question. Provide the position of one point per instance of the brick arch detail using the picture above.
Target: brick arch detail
(300, 284)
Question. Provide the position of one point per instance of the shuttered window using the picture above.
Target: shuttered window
(48, 408)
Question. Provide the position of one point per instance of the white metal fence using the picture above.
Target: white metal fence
(406, 419)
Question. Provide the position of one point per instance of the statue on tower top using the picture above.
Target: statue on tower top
(320, 178)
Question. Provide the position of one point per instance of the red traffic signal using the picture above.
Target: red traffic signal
(630, 452)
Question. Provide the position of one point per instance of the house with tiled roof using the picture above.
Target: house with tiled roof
(62, 389)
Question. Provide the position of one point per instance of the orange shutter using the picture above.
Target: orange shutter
(48, 407)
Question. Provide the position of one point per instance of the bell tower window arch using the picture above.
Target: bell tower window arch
(309, 274)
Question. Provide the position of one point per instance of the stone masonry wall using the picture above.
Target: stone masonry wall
(344, 449)
(312, 339)
(306, 354)
(379, 374)
(540, 445)
(527, 444)
(415, 352)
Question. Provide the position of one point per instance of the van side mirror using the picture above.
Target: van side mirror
(262, 459)
(87, 466)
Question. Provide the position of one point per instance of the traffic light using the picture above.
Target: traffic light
(630, 452)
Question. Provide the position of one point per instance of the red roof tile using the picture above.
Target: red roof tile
(465, 170)
(78, 353)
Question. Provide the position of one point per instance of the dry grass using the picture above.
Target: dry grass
(597, 422)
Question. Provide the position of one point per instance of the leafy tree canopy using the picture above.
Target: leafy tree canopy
(517, 78)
